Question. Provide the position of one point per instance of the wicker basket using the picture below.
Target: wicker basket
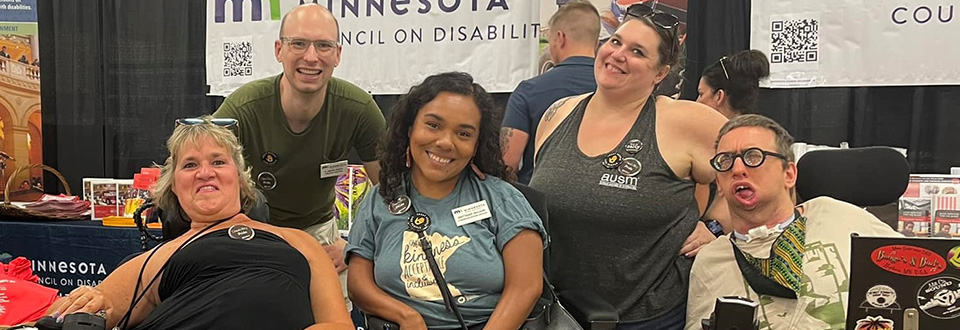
(9, 210)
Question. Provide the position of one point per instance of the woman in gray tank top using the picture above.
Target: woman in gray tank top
(619, 168)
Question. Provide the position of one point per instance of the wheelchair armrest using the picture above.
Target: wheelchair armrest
(592, 312)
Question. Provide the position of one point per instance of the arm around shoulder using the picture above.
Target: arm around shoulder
(701, 126)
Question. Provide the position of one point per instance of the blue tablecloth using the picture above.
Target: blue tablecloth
(67, 254)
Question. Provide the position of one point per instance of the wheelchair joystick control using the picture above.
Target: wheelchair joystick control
(75, 321)
(732, 312)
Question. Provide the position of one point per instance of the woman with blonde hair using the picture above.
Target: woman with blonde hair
(227, 271)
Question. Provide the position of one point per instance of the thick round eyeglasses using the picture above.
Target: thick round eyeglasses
(752, 157)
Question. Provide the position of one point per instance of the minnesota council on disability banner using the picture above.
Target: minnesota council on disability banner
(846, 43)
(388, 45)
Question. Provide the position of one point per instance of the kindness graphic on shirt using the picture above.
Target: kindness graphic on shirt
(416, 276)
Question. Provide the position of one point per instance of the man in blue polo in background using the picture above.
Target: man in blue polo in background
(574, 30)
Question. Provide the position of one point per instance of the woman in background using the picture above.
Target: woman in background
(731, 85)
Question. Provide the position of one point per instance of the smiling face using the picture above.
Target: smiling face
(206, 181)
(629, 61)
(749, 188)
(308, 71)
(443, 138)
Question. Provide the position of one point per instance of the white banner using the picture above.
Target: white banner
(850, 43)
(388, 45)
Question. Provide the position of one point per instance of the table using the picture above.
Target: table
(67, 254)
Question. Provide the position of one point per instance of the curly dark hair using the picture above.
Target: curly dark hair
(393, 149)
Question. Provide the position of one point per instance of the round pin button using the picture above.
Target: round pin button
(612, 160)
(630, 167)
(418, 222)
(241, 232)
(269, 158)
(400, 205)
(633, 146)
(266, 180)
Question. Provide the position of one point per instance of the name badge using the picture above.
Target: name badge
(334, 169)
(471, 213)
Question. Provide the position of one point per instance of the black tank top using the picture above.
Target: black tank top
(217, 282)
(614, 234)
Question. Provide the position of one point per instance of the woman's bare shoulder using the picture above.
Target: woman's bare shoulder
(555, 114)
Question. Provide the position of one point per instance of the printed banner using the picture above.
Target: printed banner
(388, 45)
(852, 43)
(20, 120)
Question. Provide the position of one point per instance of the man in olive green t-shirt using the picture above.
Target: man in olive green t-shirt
(298, 128)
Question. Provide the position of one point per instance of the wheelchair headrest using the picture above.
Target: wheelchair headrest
(537, 201)
(869, 176)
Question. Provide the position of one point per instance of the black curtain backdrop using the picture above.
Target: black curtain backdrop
(115, 76)
(116, 73)
(925, 120)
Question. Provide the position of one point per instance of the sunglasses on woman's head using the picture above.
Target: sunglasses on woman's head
(222, 122)
(724, 67)
(661, 19)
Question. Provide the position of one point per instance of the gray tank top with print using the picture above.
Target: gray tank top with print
(611, 233)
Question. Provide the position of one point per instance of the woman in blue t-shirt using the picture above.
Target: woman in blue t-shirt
(486, 240)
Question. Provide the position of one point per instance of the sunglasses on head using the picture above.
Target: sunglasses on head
(222, 122)
(659, 18)
(724, 67)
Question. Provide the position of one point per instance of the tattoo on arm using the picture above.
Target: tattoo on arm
(552, 110)
(505, 134)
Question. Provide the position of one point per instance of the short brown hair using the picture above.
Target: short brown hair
(579, 20)
(784, 140)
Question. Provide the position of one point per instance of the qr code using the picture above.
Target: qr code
(794, 41)
(237, 59)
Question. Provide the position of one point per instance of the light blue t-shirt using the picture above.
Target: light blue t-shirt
(469, 256)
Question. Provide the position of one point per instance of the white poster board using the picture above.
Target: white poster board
(388, 45)
(851, 43)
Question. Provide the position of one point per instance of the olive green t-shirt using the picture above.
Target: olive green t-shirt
(286, 165)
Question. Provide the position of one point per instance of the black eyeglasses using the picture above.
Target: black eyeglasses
(661, 19)
(222, 122)
(725, 74)
(752, 157)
